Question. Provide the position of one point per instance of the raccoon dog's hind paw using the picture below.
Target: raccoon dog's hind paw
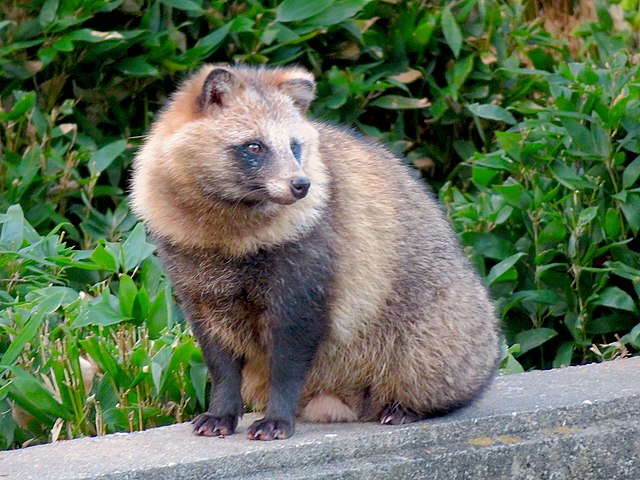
(396, 414)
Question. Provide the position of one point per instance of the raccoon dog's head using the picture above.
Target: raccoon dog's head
(250, 143)
(232, 161)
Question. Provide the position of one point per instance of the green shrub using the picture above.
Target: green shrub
(555, 213)
(533, 148)
(86, 349)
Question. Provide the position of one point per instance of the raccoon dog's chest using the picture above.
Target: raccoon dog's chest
(244, 296)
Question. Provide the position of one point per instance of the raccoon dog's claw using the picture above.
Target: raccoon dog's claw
(208, 425)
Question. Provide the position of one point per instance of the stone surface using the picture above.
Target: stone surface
(578, 422)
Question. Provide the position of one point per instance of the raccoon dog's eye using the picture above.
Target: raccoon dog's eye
(254, 148)
(296, 149)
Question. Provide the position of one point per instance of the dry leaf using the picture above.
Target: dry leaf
(411, 75)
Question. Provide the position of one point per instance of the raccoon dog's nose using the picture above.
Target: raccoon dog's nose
(300, 187)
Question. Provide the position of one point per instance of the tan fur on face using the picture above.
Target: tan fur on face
(185, 143)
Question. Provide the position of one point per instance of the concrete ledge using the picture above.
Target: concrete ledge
(578, 422)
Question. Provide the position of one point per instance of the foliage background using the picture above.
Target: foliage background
(523, 115)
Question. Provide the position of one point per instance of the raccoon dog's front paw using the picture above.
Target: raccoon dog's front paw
(267, 429)
(209, 425)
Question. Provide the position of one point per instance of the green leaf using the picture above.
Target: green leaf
(515, 194)
(625, 271)
(106, 155)
(605, 21)
(104, 259)
(11, 237)
(215, 38)
(340, 11)
(28, 169)
(483, 176)
(156, 373)
(7, 424)
(398, 102)
(631, 210)
(600, 138)
(617, 111)
(505, 270)
(587, 215)
(199, 375)
(530, 339)
(98, 314)
(158, 318)
(523, 71)
(612, 224)
(48, 12)
(616, 322)
(242, 24)
(95, 347)
(489, 245)
(96, 36)
(451, 31)
(495, 161)
(187, 5)
(492, 112)
(296, 10)
(543, 297)
(617, 298)
(140, 305)
(569, 178)
(573, 322)
(31, 394)
(127, 292)
(461, 70)
(15, 46)
(16, 347)
(135, 248)
(510, 366)
(423, 32)
(633, 337)
(580, 135)
(137, 67)
(63, 44)
(49, 299)
(631, 174)
(116, 419)
(25, 101)
(553, 232)
(151, 275)
(564, 355)
(179, 357)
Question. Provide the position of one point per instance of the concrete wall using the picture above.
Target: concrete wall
(578, 422)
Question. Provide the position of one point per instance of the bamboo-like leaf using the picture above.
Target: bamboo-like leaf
(451, 31)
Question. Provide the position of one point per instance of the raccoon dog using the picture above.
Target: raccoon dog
(320, 279)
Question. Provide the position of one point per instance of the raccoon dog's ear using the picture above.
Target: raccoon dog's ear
(217, 84)
(301, 90)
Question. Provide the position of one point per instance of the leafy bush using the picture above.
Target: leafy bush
(90, 351)
(532, 142)
(554, 219)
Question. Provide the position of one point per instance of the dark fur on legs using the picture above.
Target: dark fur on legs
(279, 293)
